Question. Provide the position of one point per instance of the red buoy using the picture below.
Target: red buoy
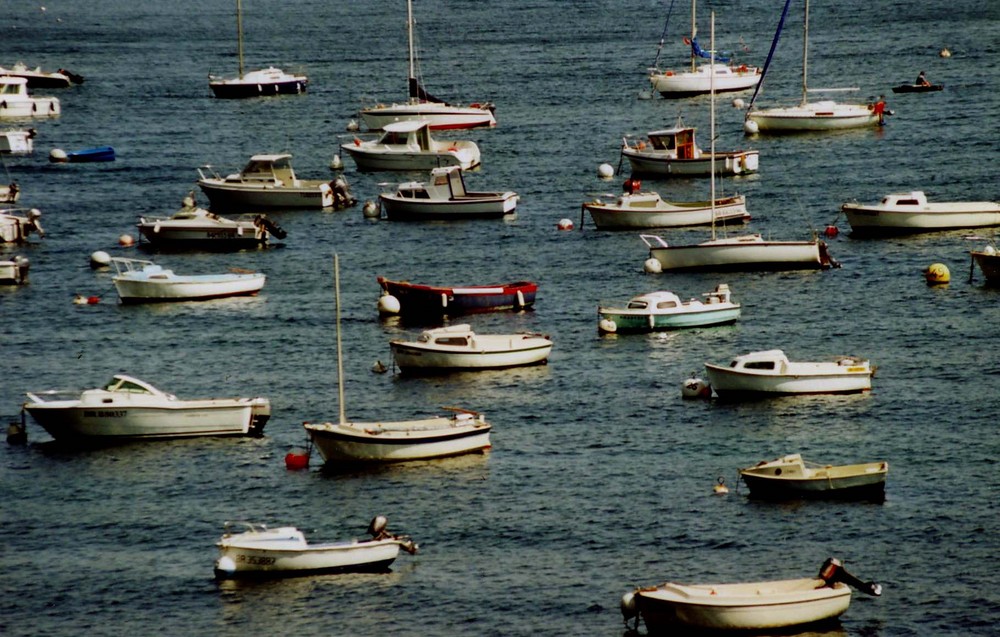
(831, 231)
(295, 461)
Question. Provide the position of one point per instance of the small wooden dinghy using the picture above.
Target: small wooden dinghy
(792, 477)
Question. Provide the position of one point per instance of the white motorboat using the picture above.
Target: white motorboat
(770, 373)
(268, 181)
(665, 310)
(15, 228)
(673, 152)
(792, 477)
(639, 210)
(742, 253)
(15, 102)
(192, 226)
(444, 197)
(700, 80)
(807, 116)
(17, 142)
(457, 347)
(750, 606)
(423, 106)
(14, 271)
(263, 552)
(269, 81)
(346, 443)
(910, 212)
(141, 281)
(988, 260)
(408, 145)
(128, 408)
(37, 78)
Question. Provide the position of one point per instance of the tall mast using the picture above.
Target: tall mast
(239, 35)
(711, 128)
(694, 33)
(805, 53)
(340, 354)
(409, 36)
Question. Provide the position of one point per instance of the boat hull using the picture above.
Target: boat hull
(389, 442)
(917, 88)
(989, 264)
(415, 358)
(638, 321)
(818, 116)
(878, 220)
(14, 271)
(17, 142)
(728, 210)
(859, 487)
(374, 160)
(347, 557)
(439, 116)
(660, 163)
(690, 84)
(188, 288)
(35, 107)
(166, 232)
(471, 206)
(312, 194)
(68, 420)
(744, 384)
(441, 301)
(736, 607)
(241, 89)
(736, 256)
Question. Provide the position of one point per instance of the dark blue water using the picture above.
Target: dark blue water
(601, 477)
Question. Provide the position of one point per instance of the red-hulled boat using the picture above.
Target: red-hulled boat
(411, 298)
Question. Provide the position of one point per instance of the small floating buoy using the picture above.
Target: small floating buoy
(125, 240)
(58, 155)
(739, 103)
(16, 433)
(225, 565)
(370, 210)
(379, 367)
(750, 127)
(565, 224)
(720, 487)
(607, 326)
(645, 94)
(945, 53)
(296, 460)
(336, 163)
(388, 304)
(937, 273)
(79, 299)
(695, 387)
(93, 300)
(100, 259)
(352, 125)
(605, 171)
(831, 231)
(652, 266)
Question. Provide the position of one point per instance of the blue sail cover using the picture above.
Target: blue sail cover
(702, 53)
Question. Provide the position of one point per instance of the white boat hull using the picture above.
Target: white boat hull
(729, 383)
(661, 163)
(188, 288)
(17, 142)
(354, 443)
(308, 194)
(876, 220)
(439, 116)
(689, 83)
(989, 263)
(379, 159)
(815, 116)
(471, 206)
(610, 216)
(167, 231)
(370, 555)
(740, 255)
(759, 606)
(35, 107)
(414, 357)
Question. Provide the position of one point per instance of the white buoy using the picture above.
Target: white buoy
(336, 163)
(750, 127)
(225, 565)
(696, 388)
(605, 171)
(652, 266)
(352, 125)
(945, 53)
(100, 259)
(739, 103)
(565, 224)
(79, 299)
(379, 367)
(125, 240)
(607, 326)
(989, 250)
(370, 210)
(58, 155)
(388, 304)
(645, 94)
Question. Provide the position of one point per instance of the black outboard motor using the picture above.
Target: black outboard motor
(273, 228)
(833, 571)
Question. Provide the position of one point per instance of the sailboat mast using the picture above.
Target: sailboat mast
(694, 33)
(239, 35)
(409, 38)
(340, 354)
(805, 54)
(711, 128)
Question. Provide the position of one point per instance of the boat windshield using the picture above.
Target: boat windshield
(637, 305)
(124, 385)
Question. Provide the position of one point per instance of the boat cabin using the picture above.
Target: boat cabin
(446, 183)
(450, 336)
(414, 134)
(679, 141)
(655, 300)
(913, 198)
(16, 87)
(770, 360)
(271, 169)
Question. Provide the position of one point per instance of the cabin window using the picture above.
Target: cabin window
(908, 202)
(459, 341)
(666, 304)
(758, 365)
(637, 305)
(394, 138)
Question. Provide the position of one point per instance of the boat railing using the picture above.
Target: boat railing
(256, 527)
(212, 172)
(49, 394)
(653, 241)
(124, 265)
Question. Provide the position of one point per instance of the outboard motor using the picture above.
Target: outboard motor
(376, 528)
(833, 571)
(33, 221)
(273, 228)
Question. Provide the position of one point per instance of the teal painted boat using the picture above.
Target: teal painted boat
(664, 310)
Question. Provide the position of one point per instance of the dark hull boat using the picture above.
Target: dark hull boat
(410, 298)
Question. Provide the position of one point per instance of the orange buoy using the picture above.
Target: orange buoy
(831, 231)
(296, 460)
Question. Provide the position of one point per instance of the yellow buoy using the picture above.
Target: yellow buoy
(720, 488)
(937, 273)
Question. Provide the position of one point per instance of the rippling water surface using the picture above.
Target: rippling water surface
(600, 477)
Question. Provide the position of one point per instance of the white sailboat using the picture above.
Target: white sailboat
(745, 252)
(823, 115)
(423, 106)
(269, 81)
(697, 81)
(361, 443)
